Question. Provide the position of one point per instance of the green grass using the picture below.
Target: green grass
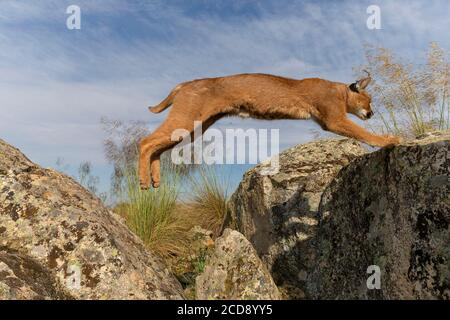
(208, 198)
(151, 214)
(162, 220)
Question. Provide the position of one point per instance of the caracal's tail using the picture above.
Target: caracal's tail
(167, 102)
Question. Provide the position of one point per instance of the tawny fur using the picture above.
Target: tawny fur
(260, 96)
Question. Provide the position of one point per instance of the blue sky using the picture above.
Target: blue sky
(56, 84)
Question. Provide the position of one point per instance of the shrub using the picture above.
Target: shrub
(152, 216)
(207, 200)
(163, 220)
(411, 99)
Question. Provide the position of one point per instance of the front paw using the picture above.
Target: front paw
(155, 184)
(391, 140)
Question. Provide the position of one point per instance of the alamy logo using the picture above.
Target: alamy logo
(374, 20)
(230, 148)
(74, 20)
(374, 280)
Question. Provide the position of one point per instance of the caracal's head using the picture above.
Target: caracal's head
(359, 101)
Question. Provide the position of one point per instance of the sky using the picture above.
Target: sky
(56, 84)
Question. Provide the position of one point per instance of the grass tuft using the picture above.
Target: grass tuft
(162, 220)
(151, 214)
(208, 199)
(410, 100)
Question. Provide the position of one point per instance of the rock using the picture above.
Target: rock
(58, 241)
(278, 213)
(235, 271)
(22, 278)
(390, 208)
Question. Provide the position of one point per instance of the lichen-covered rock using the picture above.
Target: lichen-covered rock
(54, 230)
(278, 213)
(391, 209)
(22, 278)
(234, 271)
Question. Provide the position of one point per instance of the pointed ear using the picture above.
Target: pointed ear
(354, 87)
(363, 83)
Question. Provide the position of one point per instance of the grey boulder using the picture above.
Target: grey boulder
(54, 231)
(234, 271)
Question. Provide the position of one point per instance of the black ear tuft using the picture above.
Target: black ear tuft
(354, 87)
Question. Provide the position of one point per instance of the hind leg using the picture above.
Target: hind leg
(153, 145)
(148, 146)
(155, 157)
(155, 164)
(155, 169)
